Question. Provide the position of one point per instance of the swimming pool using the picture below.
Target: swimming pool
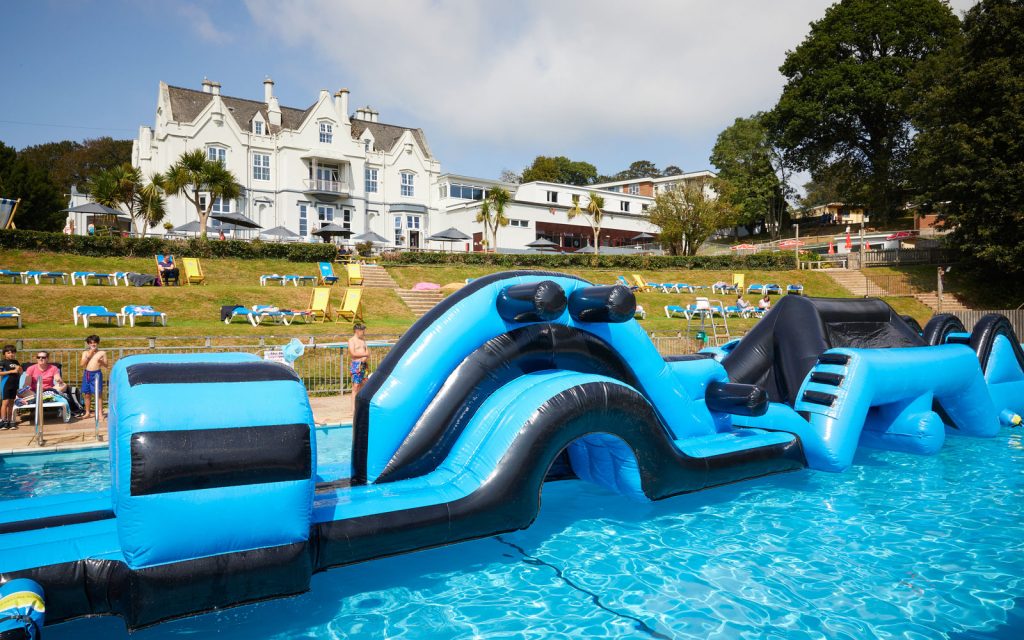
(898, 546)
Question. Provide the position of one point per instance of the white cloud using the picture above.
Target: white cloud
(202, 24)
(552, 73)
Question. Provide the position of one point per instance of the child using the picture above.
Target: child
(741, 303)
(92, 380)
(10, 373)
(765, 303)
(359, 354)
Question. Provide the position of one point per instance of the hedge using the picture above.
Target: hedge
(101, 246)
(773, 261)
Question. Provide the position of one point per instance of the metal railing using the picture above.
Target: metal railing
(907, 256)
(970, 317)
(897, 285)
(327, 186)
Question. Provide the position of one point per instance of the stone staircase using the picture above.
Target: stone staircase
(420, 301)
(950, 303)
(377, 277)
(850, 279)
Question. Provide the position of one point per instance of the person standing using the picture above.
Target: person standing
(360, 356)
(10, 373)
(93, 362)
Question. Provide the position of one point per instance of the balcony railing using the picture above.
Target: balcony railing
(327, 186)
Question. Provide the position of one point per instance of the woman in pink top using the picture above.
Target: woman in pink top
(50, 376)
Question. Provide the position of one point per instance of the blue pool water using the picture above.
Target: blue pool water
(900, 546)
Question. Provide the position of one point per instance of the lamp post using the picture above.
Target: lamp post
(796, 244)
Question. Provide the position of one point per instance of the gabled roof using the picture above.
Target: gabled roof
(386, 136)
(186, 104)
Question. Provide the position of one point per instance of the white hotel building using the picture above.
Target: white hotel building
(303, 168)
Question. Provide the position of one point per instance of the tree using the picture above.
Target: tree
(510, 176)
(845, 98)
(672, 170)
(41, 200)
(74, 163)
(593, 213)
(123, 187)
(561, 170)
(484, 216)
(837, 182)
(639, 169)
(193, 175)
(970, 145)
(754, 170)
(687, 216)
(498, 197)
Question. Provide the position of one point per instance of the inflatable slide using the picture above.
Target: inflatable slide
(217, 498)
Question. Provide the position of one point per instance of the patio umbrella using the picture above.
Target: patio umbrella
(97, 209)
(831, 248)
(642, 237)
(279, 232)
(742, 247)
(543, 244)
(236, 219)
(191, 227)
(587, 249)
(791, 243)
(450, 234)
(370, 236)
(329, 230)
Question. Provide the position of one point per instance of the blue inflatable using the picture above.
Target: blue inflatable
(217, 499)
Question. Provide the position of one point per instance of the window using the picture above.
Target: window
(326, 132)
(257, 127)
(261, 166)
(408, 184)
(519, 223)
(575, 198)
(371, 181)
(552, 196)
(467, 192)
(346, 218)
(644, 207)
(624, 206)
(325, 214)
(634, 189)
(443, 190)
(219, 206)
(303, 225)
(217, 154)
(366, 145)
(398, 231)
(412, 222)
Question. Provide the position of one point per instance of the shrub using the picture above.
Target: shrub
(769, 261)
(100, 246)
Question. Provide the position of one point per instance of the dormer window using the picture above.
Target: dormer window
(257, 127)
(326, 132)
(366, 145)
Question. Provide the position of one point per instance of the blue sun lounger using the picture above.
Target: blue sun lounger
(86, 312)
(133, 312)
(52, 276)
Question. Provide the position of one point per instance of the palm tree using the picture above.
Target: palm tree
(193, 174)
(499, 197)
(485, 217)
(593, 213)
(122, 186)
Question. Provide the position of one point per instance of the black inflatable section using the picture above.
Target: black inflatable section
(736, 399)
(781, 349)
(361, 419)
(940, 326)
(609, 303)
(63, 520)
(525, 350)
(984, 336)
(912, 322)
(207, 372)
(166, 461)
(509, 499)
(533, 302)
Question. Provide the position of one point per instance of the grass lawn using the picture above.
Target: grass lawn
(195, 310)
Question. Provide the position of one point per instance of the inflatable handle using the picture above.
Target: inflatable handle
(1009, 418)
(737, 399)
(542, 301)
(614, 303)
(22, 610)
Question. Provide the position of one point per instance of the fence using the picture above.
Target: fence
(905, 256)
(970, 317)
(898, 285)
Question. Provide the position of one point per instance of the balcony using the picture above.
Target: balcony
(327, 189)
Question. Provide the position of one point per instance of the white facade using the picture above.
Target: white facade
(299, 168)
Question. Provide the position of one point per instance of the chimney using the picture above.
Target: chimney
(215, 88)
(341, 104)
(206, 85)
(374, 115)
(324, 93)
(274, 111)
(268, 89)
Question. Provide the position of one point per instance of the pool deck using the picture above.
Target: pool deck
(79, 434)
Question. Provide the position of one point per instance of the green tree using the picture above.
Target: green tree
(193, 175)
(123, 187)
(74, 163)
(499, 199)
(484, 216)
(970, 145)
(672, 170)
(560, 169)
(41, 200)
(687, 216)
(845, 97)
(756, 172)
(594, 212)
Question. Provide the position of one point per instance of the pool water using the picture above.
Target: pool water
(898, 546)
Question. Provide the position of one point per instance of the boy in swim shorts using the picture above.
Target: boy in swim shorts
(93, 360)
(360, 355)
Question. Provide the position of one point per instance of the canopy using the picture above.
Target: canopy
(450, 234)
(587, 249)
(279, 232)
(542, 243)
(237, 219)
(791, 243)
(332, 230)
(191, 227)
(743, 247)
(643, 236)
(96, 208)
(370, 236)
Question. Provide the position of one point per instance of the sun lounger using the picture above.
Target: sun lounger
(193, 271)
(52, 276)
(796, 289)
(641, 285)
(621, 280)
(86, 312)
(15, 276)
(355, 274)
(327, 273)
(351, 306)
(133, 312)
(260, 312)
(675, 311)
(11, 313)
(296, 280)
(724, 287)
(773, 289)
(51, 400)
(320, 303)
(756, 287)
(271, 277)
(85, 276)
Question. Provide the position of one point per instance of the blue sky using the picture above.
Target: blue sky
(493, 84)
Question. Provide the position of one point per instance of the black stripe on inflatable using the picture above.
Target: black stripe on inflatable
(833, 358)
(207, 372)
(361, 419)
(62, 520)
(167, 461)
(824, 377)
(817, 397)
(690, 357)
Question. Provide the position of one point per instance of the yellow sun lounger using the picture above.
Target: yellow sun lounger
(193, 271)
(320, 303)
(641, 285)
(351, 308)
(355, 274)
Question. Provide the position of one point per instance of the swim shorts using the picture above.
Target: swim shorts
(92, 382)
(358, 371)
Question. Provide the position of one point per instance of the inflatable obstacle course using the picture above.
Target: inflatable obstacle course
(217, 498)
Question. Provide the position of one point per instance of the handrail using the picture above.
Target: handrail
(332, 186)
(39, 411)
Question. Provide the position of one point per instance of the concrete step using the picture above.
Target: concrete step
(419, 302)
(950, 303)
(377, 277)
